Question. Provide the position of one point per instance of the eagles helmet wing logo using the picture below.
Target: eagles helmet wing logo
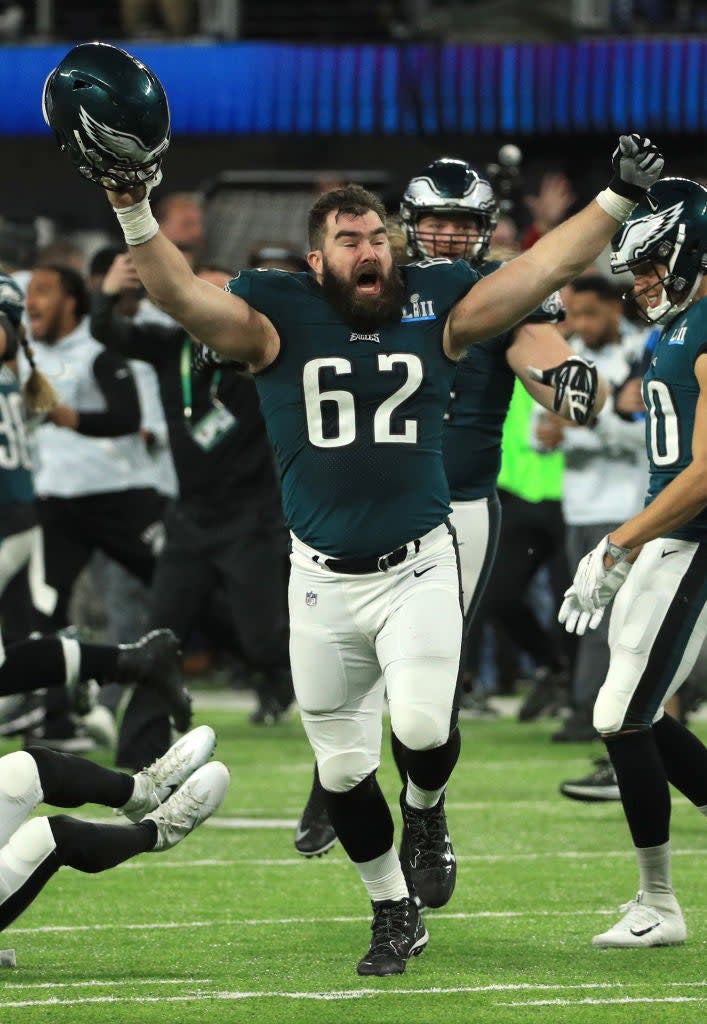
(641, 235)
(126, 148)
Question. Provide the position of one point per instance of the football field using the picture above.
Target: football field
(232, 925)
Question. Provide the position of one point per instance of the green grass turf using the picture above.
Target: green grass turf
(241, 913)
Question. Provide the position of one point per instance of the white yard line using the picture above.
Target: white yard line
(367, 993)
(624, 1000)
(472, 858)
(278, 922)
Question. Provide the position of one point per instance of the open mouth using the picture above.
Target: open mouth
(368, 282)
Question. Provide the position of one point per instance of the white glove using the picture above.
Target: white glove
(575, 384)
(637, 165)
(574, 618)
(595, 585)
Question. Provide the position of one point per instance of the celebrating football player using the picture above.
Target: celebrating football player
(654, 566)
(448, 210)
(354, 364)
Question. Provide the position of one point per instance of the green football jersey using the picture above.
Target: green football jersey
(479, 402)
(670, 391)
(15, 453)
(355, 418)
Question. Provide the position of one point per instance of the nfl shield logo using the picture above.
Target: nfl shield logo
(310, 598)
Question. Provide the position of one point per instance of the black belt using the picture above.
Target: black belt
(375, 563)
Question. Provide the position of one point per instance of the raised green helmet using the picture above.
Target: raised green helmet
(675, 236)
(110, 113)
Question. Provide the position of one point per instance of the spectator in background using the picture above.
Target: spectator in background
(146, 17)
(226, 525)
(549, 207)
(94, 478)
(277, 257)
(606, 469)
(180, 217)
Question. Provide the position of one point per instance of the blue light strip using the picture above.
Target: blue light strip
(657, 85)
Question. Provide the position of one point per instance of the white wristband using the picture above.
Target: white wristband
(615, 205)
(137, 222)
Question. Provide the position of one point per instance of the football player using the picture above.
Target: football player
(353, 365)
(164, 803)
(448, 210)
(654, 566)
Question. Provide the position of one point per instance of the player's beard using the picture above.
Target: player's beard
(365, 312)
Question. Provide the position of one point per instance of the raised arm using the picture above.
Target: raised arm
(220, 320)
(503, 298)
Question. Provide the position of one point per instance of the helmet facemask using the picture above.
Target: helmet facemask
(471, 245)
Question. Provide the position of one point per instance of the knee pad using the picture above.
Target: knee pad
(20, 791)
(610, 715)
(339, 773)
(25, 851)
(420, 727)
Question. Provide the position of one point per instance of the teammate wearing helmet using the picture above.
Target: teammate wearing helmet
(655, 564)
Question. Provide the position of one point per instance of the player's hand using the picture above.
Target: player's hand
(575, 383)
(637, 164)
(595, 583)
(574, 618)
(120, 197)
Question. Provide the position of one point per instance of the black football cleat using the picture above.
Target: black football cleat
(599, 786)
(431, 867)
(405, 865)
(315, 833)
(153, 661)
(398, 934)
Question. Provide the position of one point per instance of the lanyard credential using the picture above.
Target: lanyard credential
(185, 371)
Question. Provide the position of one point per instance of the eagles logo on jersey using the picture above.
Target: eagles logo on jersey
(109, 112)
(675, 237)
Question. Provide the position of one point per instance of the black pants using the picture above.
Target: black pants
(247, 556)
(126, 525)
(532, 535)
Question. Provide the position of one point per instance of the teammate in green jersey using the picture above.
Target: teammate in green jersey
(353, 366)
(656, 562)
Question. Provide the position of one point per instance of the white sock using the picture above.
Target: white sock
(383, 877)
(72, 660)
(654, 866)
(422, 799)
(143, 789)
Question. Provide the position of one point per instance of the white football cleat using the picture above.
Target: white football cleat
(192, 804)
(655, 923)
(155, 784)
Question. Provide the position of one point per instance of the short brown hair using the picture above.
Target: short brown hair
(351, 199)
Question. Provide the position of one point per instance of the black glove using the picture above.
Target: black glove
(204, 358)
(637, 165)
(575, 383)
